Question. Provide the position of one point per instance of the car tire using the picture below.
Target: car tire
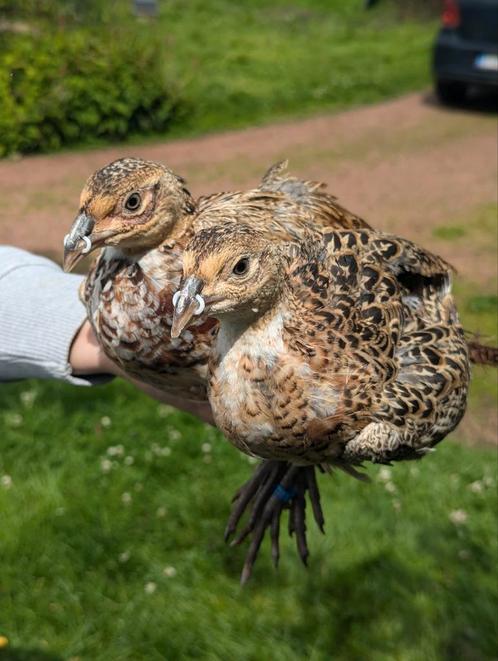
(451, 92)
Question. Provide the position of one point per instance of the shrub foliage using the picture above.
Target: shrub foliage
(77, 85)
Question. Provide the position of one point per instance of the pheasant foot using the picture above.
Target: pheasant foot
(275, 486)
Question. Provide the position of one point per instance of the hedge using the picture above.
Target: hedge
(77, 86)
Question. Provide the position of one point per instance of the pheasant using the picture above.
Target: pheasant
(141, 215)
(328, 353)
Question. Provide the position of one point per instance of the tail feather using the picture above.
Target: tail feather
(481, 354)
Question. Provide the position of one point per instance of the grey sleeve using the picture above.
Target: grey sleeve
(40, 314)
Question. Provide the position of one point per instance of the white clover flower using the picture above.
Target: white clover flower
(129, 460)
(163, 410)
(105, 465)
(115, 450)
(126, 498)
(150, 587)
(161, 512)
(124, 557)
(105, 421)
(165, 451)
(458, 517)
(384, 474)
(28, 398)
(206, 447)
(13, 419)
(476, 487)
(390, 487)
(175, 435)
(169, 571)
(6, 481)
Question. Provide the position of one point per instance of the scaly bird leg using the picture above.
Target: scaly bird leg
(275, 486)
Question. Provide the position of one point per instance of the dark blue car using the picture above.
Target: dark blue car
(466, 49)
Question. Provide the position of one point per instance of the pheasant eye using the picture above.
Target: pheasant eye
(241, 267)
(133, 202)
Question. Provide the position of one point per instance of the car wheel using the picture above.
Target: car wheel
(451, 92)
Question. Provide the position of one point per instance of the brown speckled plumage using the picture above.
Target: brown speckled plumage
(128, 292)
(323, 355)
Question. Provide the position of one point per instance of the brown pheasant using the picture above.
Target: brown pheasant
(330, 353)
(141, 215)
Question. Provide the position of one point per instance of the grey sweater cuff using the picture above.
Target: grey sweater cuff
(40, 314)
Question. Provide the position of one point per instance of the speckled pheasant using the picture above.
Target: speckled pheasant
(141, 215)
(328, 353)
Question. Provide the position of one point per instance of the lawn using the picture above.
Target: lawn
(113, 509)
(241, 63)
(216, 65)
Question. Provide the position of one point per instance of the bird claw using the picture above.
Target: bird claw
(274, 486)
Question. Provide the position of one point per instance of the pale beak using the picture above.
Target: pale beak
(78, 242)
(187, 302)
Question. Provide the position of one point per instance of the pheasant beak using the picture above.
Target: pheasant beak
(78, 242)
(187, 302)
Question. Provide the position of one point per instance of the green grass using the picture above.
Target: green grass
(242, 63)
(86, 570)
(235, 64)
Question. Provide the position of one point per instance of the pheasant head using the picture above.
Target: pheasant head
(131, 204)
(230, 271)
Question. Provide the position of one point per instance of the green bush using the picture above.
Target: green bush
(77, 86)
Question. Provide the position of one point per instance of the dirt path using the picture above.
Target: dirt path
(408, 166)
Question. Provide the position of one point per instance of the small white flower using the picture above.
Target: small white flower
(129, 460)
(150, 587)
(488, 481)
(397, 506)
(175, 435)
(126, 498)
(6, 481)
(458, 517)
(170, 572)
(476, 487)
(163, 410)
(161, 512)
(384, 474)
(115, 450)
(13, 419)
(207, 458)
(105, 421)
(390, 487)
(105, 465)
(28, 398)
(165, 451)
(206, 447)
(124, 557)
